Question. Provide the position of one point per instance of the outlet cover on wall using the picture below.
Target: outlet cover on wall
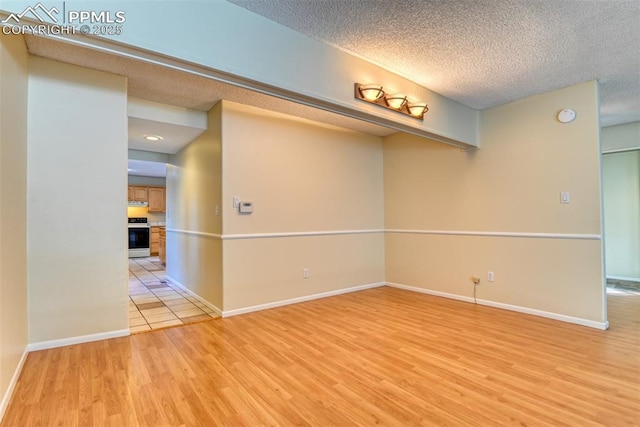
(490, 276)
(305, 273)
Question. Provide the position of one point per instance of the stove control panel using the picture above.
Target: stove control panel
(137, 220)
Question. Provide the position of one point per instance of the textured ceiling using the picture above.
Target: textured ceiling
(484, 53)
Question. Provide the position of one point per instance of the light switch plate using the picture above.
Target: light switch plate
(246, 207)
(565, 197)
(236, 201)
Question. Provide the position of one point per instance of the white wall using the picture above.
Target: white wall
(498, 209)
(13, 212)
(147, 180)
(147, 156)
(77, 267)
(621, 191)
(621, 138)
(302, 177)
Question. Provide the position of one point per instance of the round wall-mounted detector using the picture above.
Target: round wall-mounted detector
(567, 115)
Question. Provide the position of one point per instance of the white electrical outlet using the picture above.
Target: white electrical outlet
(305, 273)
(217, 210)
(490, 276)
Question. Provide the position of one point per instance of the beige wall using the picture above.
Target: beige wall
(302, 177)
(621, 138)
(621, 190)
(549, 275)
(194, 188)
(269, 270)
(13, 211)
(77, 273)
(511, 185)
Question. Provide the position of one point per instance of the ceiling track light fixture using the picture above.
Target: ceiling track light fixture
(375, 94)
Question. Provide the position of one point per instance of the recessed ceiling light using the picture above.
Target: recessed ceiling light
(152, 137)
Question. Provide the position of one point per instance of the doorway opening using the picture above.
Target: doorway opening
(621, 201)
(155, 303)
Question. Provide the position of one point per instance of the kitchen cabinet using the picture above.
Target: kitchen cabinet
(155, 241)
(138, 194)
(162, 245)
(154, 196)
(156, 199)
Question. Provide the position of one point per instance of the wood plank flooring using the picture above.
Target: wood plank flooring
(382, 356)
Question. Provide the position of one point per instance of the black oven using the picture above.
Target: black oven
(139, 237)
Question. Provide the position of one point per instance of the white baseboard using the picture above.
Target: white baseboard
(12, 384)
(259, 307)
(430, 292)
(196, 296)
(44, 345)
(626, 279)
(519, 309)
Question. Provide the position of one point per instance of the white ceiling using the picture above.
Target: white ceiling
(147, 168)
(174, 136)
(484, 53)
(176, 127)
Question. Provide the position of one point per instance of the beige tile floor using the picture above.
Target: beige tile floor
(622, 287)
(155, 303)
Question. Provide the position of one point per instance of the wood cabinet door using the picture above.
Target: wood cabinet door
(162, 250)
(140, 194)
(130, 193)
(156, 199)
(155, 241)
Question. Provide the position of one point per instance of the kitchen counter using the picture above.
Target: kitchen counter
(157, 224)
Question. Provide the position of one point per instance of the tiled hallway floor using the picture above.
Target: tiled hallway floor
(156, 304)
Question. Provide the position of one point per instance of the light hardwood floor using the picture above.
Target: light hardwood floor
(381, 356)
